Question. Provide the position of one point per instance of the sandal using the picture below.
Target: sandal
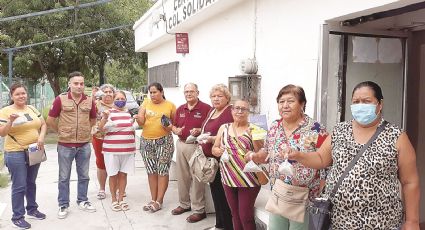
(124, 206)
(101, 195)
(156, 206)
(115, 206)
(147, 207)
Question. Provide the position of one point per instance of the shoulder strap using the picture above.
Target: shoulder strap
(357, 157)
(13, 138)
(225, 134)
(206, 120)
(236, 136)
(36, 112)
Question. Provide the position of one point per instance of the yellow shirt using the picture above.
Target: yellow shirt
(26, 133)
(153, 128)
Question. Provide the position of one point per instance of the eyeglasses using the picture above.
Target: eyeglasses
(240, 109)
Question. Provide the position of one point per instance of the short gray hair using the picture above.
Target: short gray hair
(104, 86)
(223, 89)
(191, 83)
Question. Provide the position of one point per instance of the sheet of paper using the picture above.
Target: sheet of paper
(390, 50)
(365, 49)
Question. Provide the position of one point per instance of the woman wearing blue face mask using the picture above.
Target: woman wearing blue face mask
(369, 196)
(118, 149)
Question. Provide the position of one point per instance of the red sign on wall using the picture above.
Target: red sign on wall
(182, 43)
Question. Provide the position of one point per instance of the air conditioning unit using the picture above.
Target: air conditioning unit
(249, 66)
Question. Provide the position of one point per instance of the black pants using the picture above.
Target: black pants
(223, 216)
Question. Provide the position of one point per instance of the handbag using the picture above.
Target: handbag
(288, 201)
(33, 154)
(203, 168)
(320, 209)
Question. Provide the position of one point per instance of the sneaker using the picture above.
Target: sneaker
(21, 224)
(86, 206)
(36, 215)
(63, 212)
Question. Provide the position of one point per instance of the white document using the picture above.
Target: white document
(365, 49)
(390, 50)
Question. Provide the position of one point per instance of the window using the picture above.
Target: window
(167, 74)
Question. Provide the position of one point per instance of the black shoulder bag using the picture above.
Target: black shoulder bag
(320, 209)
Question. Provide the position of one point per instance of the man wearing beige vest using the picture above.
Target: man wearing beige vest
(72, 115)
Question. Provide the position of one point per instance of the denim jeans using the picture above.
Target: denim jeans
(23, 183)
(66, 156)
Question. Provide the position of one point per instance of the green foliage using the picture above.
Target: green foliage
(87, 54)
(1, 160)
(123, 77)
(4, 179)
(45, 111)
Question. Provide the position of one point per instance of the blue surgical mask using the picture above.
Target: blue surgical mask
(120, 104)
(364, 113)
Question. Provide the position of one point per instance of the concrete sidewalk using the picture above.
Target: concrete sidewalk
(104, 218)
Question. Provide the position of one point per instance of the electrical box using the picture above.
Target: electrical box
(246, 87)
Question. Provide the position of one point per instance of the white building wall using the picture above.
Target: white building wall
(287, 44)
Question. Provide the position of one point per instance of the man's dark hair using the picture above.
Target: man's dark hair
(75, 74)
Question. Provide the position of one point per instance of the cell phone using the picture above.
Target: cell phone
(165, 121)
(29, 118)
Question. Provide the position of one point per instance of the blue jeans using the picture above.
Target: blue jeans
(82, 159)
(23, 183)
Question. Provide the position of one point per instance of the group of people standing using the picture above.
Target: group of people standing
(369, 197)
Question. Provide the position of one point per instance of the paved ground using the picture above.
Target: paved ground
(104, 217)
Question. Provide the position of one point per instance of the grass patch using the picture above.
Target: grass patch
(1, 160)
(4, 179)
(51, 137)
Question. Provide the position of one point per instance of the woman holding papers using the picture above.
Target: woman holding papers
(22, 125)
(118, 148)
(234, 142)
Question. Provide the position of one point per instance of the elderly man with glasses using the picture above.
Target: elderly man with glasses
(188, 121)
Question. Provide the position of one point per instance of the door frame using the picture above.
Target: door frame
(322, 73)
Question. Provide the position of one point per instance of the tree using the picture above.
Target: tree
(87, 54)
(123, 77)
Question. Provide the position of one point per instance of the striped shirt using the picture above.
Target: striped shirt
(232, 173)
(119, 138)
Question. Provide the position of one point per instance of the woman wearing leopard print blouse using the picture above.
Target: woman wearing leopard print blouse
(369, 196)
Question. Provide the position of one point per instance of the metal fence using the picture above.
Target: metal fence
(40, 94)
